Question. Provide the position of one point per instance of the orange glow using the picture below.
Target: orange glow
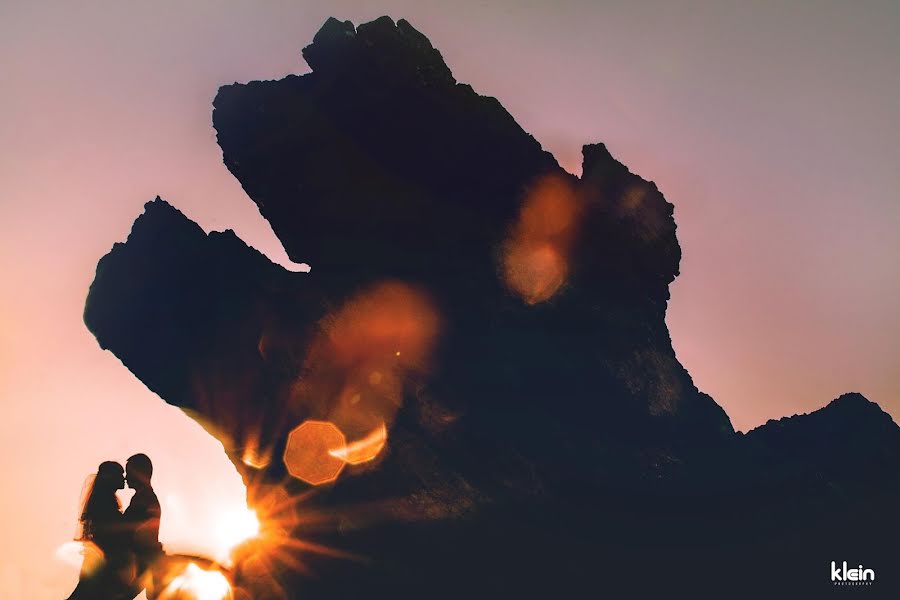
(255, 453)
(307, 454)
(235, 528)
(536, 254)
(355, 370)
(536, 272)
(275, 507)
(388, 318)
(195, 583)
(253, 457)
(280, 546)
(363, 450)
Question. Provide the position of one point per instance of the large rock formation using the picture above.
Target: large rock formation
(547, 440)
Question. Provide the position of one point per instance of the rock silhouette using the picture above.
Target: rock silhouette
(551, 443)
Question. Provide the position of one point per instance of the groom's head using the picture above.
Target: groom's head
(138, 470)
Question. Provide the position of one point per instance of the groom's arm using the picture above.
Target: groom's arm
(143, 516)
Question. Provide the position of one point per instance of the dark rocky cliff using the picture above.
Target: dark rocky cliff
(549, 428)
(378, 164)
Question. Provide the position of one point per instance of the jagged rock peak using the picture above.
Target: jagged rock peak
(597, 156)
(849, 426)
(159, 211)
(846, 409)
(387, 47)
(855, 401)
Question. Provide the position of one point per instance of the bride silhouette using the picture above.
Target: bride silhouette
(108, 570)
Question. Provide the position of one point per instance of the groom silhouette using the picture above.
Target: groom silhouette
(142, 520)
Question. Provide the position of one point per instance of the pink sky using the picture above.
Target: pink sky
(773, 129)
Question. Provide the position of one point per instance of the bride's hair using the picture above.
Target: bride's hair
(100, 500)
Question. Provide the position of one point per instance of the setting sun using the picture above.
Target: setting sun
(236, 527)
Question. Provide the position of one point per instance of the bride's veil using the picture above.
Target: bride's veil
(82, 530)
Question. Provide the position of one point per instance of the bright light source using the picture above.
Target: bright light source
(195, 583)
(234, 527)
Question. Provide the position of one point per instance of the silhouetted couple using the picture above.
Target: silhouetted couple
(120, 548)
